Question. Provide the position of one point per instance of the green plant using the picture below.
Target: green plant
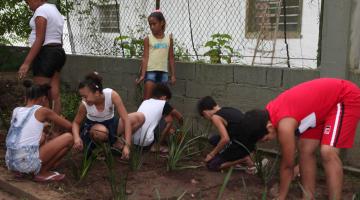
(225, 182)
(181, 53)
(86, 163)
(70, 102)
(136, 159)
(118, 189)
(219, 48)
(132, 47)
(181, 147)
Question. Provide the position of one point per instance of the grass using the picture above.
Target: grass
(80, 172)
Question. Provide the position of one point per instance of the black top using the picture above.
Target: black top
(167, 109)
(234, 118)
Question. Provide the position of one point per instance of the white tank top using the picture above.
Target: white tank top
(92, 112)
(152, 109)
(32, 130)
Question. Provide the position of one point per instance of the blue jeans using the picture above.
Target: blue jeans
(157, 76)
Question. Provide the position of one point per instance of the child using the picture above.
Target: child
(323, 112)
(25, 152)
(158, 55)
(46, 56)
(154, 109)
(229, 149)
(97, 107)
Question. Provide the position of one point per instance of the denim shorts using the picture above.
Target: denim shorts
(110, 124)
(24, 159)
(157, 76)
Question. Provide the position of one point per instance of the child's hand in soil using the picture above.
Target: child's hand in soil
(125, 153)
(78, 144)
(209, 157)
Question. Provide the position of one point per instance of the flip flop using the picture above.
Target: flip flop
(18, 175)
(55, 176)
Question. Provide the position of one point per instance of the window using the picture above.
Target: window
(108, 18)
(262, 15)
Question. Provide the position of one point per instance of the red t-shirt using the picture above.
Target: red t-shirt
(309, 102)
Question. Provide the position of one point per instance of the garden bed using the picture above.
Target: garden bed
(152, 180)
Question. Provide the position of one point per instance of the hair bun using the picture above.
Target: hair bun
(27, 83)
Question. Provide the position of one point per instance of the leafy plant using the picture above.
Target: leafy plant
(136, 159)
(87, 161)
(181, 53)
(180, 148)
(70, 102)
(133, 47)
(118, 189)
(225, 182)
(219, 48)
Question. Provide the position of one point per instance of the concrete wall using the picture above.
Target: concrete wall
(234, 85)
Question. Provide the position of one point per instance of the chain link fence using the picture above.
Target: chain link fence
(250, 32)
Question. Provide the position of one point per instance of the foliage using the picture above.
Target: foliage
(136, 159)
(219, 48)
(132, 47)
(181, 147)
(181, 53)
(132, 44)
(15, 16)
(223, 186)
(118, 189)
(70, 102)
(80, 172)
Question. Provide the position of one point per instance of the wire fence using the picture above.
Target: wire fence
(250, 32)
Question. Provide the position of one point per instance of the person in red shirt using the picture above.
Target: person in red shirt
(323, 112)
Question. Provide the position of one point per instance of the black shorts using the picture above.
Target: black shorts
(50, 59)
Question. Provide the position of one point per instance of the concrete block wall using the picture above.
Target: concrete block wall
(243, 87)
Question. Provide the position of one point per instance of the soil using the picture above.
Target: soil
(153, 181)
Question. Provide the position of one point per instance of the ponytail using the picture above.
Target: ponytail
(34, 91)
(93, 81)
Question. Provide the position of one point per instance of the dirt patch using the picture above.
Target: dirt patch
(152, 181)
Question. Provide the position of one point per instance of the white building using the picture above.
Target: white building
(94, 29)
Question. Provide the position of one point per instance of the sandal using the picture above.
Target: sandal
(55, 176)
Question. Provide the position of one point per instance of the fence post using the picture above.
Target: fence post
(157, 6)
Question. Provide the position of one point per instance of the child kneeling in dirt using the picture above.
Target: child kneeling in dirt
(27, 151)
(232, 146)
(153, 110)
(101, 124)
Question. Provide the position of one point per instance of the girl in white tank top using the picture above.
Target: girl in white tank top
(97, 108)
(26, 153)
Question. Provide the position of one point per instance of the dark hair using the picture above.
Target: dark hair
(254, 124)
(158, 16)
(205, 103)
(160, 90)
(93, 81)
(34, 91)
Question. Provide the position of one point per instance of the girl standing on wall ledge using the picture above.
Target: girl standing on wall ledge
(46, 56)
(158, 59)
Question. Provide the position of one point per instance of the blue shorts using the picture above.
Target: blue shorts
(110, 124)
(24, 159)
(157, 76)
